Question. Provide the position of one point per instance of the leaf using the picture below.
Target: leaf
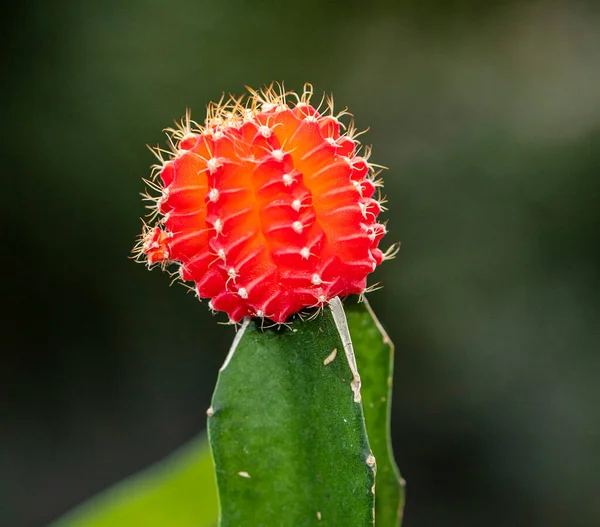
(289, 442)
(179, 491)
(375, 358)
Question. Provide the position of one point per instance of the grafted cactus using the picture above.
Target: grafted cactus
(269, 209)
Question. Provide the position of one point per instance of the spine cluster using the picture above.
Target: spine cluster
(268, 208)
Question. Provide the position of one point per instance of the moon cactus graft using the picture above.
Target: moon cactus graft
(269, 208)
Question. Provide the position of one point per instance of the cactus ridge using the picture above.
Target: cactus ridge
(268, 208)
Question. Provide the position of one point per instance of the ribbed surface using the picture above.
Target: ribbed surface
(267, 208)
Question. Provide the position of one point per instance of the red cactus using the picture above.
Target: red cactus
(268, 208)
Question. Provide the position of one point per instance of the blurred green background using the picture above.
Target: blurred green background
(488, 117)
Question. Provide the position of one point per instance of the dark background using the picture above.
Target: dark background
(488, 117)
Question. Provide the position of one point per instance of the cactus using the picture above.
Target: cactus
(269, 211)
(288, 439)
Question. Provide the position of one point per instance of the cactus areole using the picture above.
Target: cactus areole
(269, 208)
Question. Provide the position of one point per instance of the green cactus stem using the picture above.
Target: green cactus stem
(287, 427)
(288, 439)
